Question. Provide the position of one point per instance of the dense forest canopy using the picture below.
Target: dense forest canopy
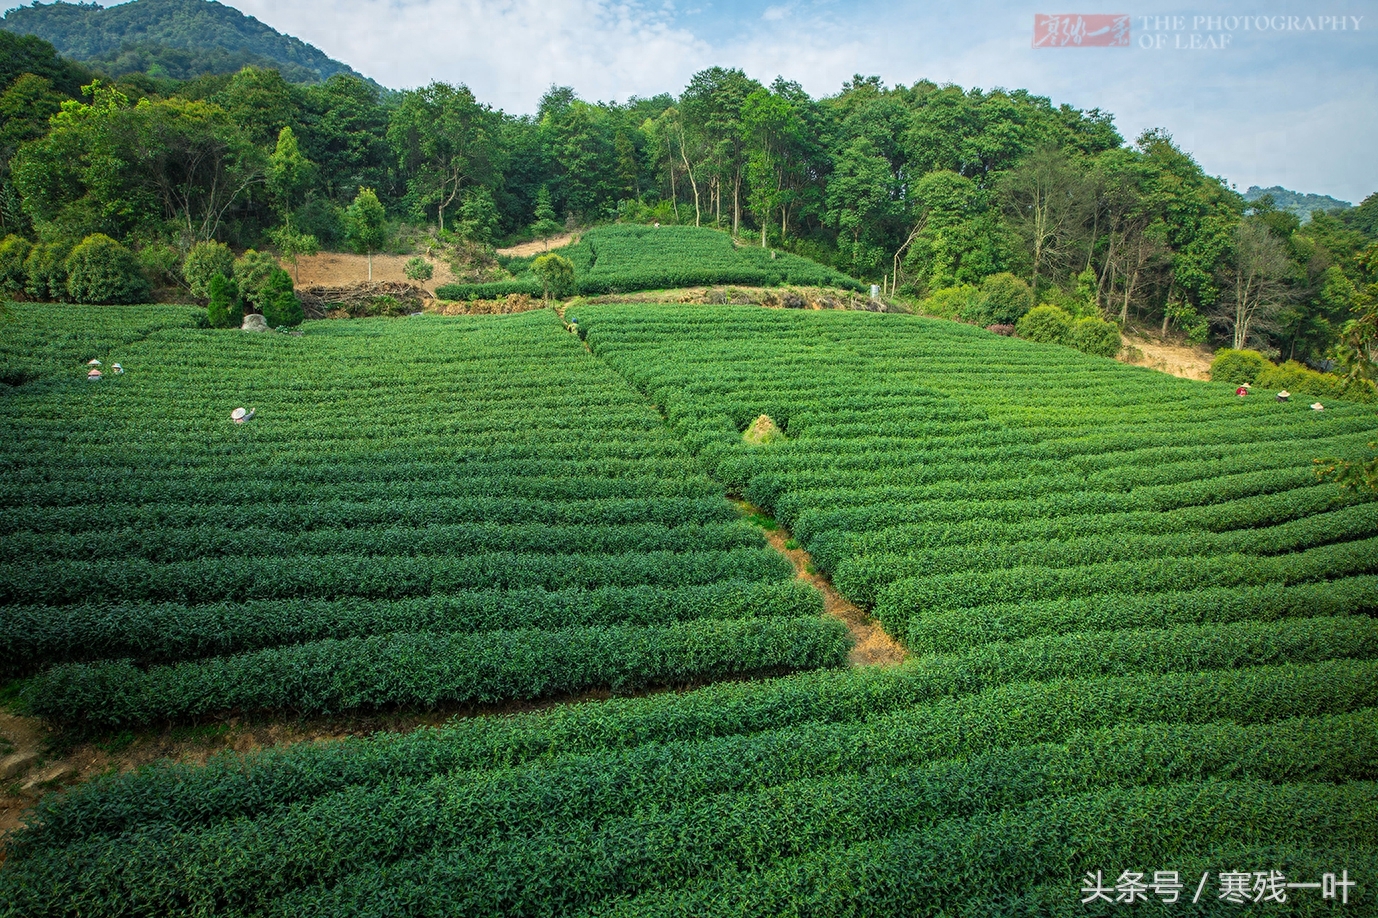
(929, 189)
(170, 38)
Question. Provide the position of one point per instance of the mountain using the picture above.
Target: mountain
(1295, 202)
(171, 38)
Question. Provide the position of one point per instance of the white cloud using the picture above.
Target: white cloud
(775, 13)
(507, 51)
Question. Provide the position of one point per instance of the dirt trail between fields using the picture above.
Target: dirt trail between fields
(535, 248)
(874, 646)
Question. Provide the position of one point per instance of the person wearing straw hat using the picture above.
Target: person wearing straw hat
(239, 415)
(1284, 395)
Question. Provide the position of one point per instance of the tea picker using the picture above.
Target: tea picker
(240, 415)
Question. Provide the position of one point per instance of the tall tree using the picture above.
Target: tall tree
(366, 225)
(1046, 201)
(1252, 283)
(445, 141)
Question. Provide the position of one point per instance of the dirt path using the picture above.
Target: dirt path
(874, 647)
(535, 248)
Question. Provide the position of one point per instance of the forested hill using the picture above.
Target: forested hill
(1295, 202)
(180, 39)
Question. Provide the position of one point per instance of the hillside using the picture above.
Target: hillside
(628, 258)
(171, 38)
(1296, 202)
(1140, 629)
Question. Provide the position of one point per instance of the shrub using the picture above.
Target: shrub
(45, 271)
(556, 274)
(251, 272)
(279, 301)
(1002, 300)
(1096, 337)
(1298, 377)
(1237, 367)
(226, 310)
(419, 269)
(161, 264)
(205, 261)
(949, 302)
(1046, 324)
(100, 270)
(13, 252)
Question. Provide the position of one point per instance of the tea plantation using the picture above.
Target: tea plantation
(626, 258)
(422, 512)
(1144, 654)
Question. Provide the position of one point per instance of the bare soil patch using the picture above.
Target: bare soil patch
(873, 647)
(1184, 360)
(537, 247)
(340, 269)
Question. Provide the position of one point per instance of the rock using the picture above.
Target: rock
(16, 764)
(49, 775)
(253, 322)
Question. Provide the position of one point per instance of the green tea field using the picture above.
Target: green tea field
(622, 259)
(1143, 664)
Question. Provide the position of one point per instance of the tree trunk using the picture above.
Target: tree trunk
(370, 264)
(736, 202)
(692, 183)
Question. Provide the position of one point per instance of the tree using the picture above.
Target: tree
(1046, 203)
(289, 173)
(444, 141)
(859, 195)
(546, 224)
(225, 309)
(365, 225)
(478, 215)
(556, 273)
(165, 167)
(279, 301)
(291, 245)
(1252, 283)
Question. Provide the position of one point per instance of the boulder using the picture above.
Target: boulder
(253, 322)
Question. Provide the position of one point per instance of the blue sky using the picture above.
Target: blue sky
(1293, 106)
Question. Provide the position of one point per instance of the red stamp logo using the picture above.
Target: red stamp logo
(1075, 30)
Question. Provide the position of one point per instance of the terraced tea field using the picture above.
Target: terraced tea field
(1144, 658)
(421, 513)
(626, 258)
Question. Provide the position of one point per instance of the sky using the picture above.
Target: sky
(1261, 92)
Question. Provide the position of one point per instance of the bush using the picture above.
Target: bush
(45, 271)
(1046, 324)
(419, 269)
(1096, 337)
(252, 272)
(279, 301)
(205, 261)
(226, 310)
(556, 274)
(161, 264)
(1002, 300)
(1237, 367)
(13, 252)
(100, 270)
(949, 302)
(1298, 377)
